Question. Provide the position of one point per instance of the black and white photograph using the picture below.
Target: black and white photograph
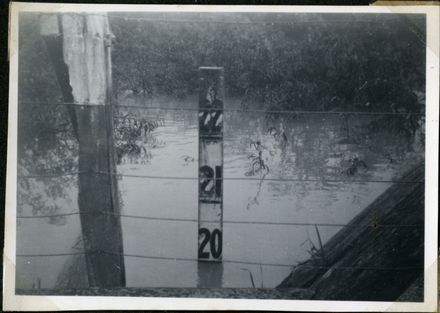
(220, 154)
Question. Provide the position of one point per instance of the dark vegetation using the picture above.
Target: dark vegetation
(369, 62)
(132, 135)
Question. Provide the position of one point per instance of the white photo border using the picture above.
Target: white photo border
(51, 303)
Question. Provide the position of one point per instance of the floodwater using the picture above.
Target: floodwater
(270, 222)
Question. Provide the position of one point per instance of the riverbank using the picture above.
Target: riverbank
(229, 293)
(378, 256)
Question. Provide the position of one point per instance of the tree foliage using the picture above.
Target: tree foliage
(296, 61)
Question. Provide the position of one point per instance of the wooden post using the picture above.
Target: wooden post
(210, 246)
(86, 54)
(50, 30)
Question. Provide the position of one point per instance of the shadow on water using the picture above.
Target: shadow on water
(210, 275)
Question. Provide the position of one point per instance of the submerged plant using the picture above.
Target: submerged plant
(187, 160)
(258, 165)
(353, 165)
(133, 136)
(250, 276)
(313, 251)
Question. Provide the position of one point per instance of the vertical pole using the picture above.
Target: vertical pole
(210, 217)
(86, 55)
(51, 33)
(108, 38)
(100, 223)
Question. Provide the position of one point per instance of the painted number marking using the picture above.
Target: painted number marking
(208, 180)
(211, 122)
(210, 171)
(215, 243)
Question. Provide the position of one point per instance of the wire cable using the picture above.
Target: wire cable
(299, 112)
(193, 220)
(397, 268)
(287, 179)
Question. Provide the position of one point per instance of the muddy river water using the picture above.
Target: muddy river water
(271, 222)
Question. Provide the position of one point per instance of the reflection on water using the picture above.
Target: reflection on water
(320, 170)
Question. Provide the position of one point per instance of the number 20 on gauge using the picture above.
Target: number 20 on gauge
(210, 244)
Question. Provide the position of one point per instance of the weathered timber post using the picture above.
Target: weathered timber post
(53, 40)
(211, 97)
(86, 54)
